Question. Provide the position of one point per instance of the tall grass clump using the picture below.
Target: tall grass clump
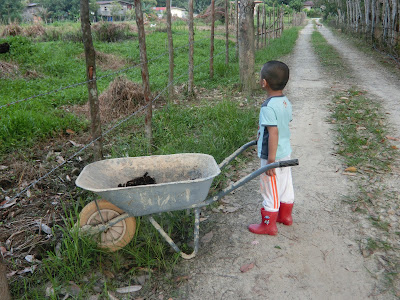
(215, 129)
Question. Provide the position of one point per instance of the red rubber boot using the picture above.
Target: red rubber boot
(268, 223)
(285, 214)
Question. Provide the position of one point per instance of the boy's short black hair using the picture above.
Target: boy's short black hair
(276, 74)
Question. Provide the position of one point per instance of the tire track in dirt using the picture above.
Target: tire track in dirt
(316, 258)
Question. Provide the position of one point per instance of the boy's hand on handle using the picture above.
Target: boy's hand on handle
(271, 172)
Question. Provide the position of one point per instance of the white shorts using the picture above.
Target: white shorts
(278, 188)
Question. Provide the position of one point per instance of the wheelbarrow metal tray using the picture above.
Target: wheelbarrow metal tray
(181, 181)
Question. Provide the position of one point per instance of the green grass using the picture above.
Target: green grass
(329, 57)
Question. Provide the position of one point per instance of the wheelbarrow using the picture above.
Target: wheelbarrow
(182, 182)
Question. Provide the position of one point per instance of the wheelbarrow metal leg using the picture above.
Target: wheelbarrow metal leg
(171, 242)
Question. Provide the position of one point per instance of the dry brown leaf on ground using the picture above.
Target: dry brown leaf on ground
(246, 267)
(351, 169)
(129, 289)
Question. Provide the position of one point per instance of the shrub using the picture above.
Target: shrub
(34, 30)
(111, 32)
(12, 30)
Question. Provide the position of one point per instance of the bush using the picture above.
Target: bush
(34, 30)
(111, 32)
(12, 30)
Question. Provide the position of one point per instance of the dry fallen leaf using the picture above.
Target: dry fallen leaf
(246, 267)
(351, 169)
(69, 131)
(129, 289)
(230, 209)
(392, 138)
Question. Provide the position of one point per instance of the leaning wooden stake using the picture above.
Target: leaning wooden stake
(145, 72)
(91, 77)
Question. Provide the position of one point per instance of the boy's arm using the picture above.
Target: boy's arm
(272, 147)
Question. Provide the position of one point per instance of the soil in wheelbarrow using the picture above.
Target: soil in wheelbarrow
(143, 180)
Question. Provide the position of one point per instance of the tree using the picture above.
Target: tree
(246, 45)
(90, 56)
(10, 10)
(116, 9)
(297, 5)
(62, 9)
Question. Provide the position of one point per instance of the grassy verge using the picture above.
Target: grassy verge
(364, 145)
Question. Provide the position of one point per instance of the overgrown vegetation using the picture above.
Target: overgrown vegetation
(364, 145)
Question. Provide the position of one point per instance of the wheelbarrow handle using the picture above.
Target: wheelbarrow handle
(236, 153)
(288, 163)
(246, 179)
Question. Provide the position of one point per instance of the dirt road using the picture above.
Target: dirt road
(319, 256)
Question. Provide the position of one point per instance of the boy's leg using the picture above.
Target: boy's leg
(269, 211)
(286, 194)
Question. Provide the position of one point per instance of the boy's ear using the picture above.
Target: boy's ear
(264, 83)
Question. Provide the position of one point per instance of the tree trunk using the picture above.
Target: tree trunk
(4, 292)
(171, 91)
(212, 38)
(258, 27)
(191, 51)
(246, 45)
(373, 17)
(91, 77)
(226, 33)
(237, 28)
(393, 21)
(145, 73)
(367, 12)
(274, 21)
(264, 26)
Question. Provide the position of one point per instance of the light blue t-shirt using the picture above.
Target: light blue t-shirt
(275, 111)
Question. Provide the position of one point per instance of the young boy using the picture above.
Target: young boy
(274, 145)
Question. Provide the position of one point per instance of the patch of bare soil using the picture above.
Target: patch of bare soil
(10, 70)
(28, 227)
(106, 61)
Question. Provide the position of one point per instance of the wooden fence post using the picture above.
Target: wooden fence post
(191, 51)
(145, 73)
(212, 38)
(258, 27)
(226, 33)
(246, 45)
(91, 77)
(237, 28)
(171, 92)
(264, 27)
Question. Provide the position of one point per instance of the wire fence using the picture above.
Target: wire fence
(11, 201)
(96, 79)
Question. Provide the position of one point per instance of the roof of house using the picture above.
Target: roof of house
(308, 3)
(110, 2)
(159, 8)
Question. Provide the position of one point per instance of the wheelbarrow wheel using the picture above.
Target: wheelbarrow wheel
(117, 236)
